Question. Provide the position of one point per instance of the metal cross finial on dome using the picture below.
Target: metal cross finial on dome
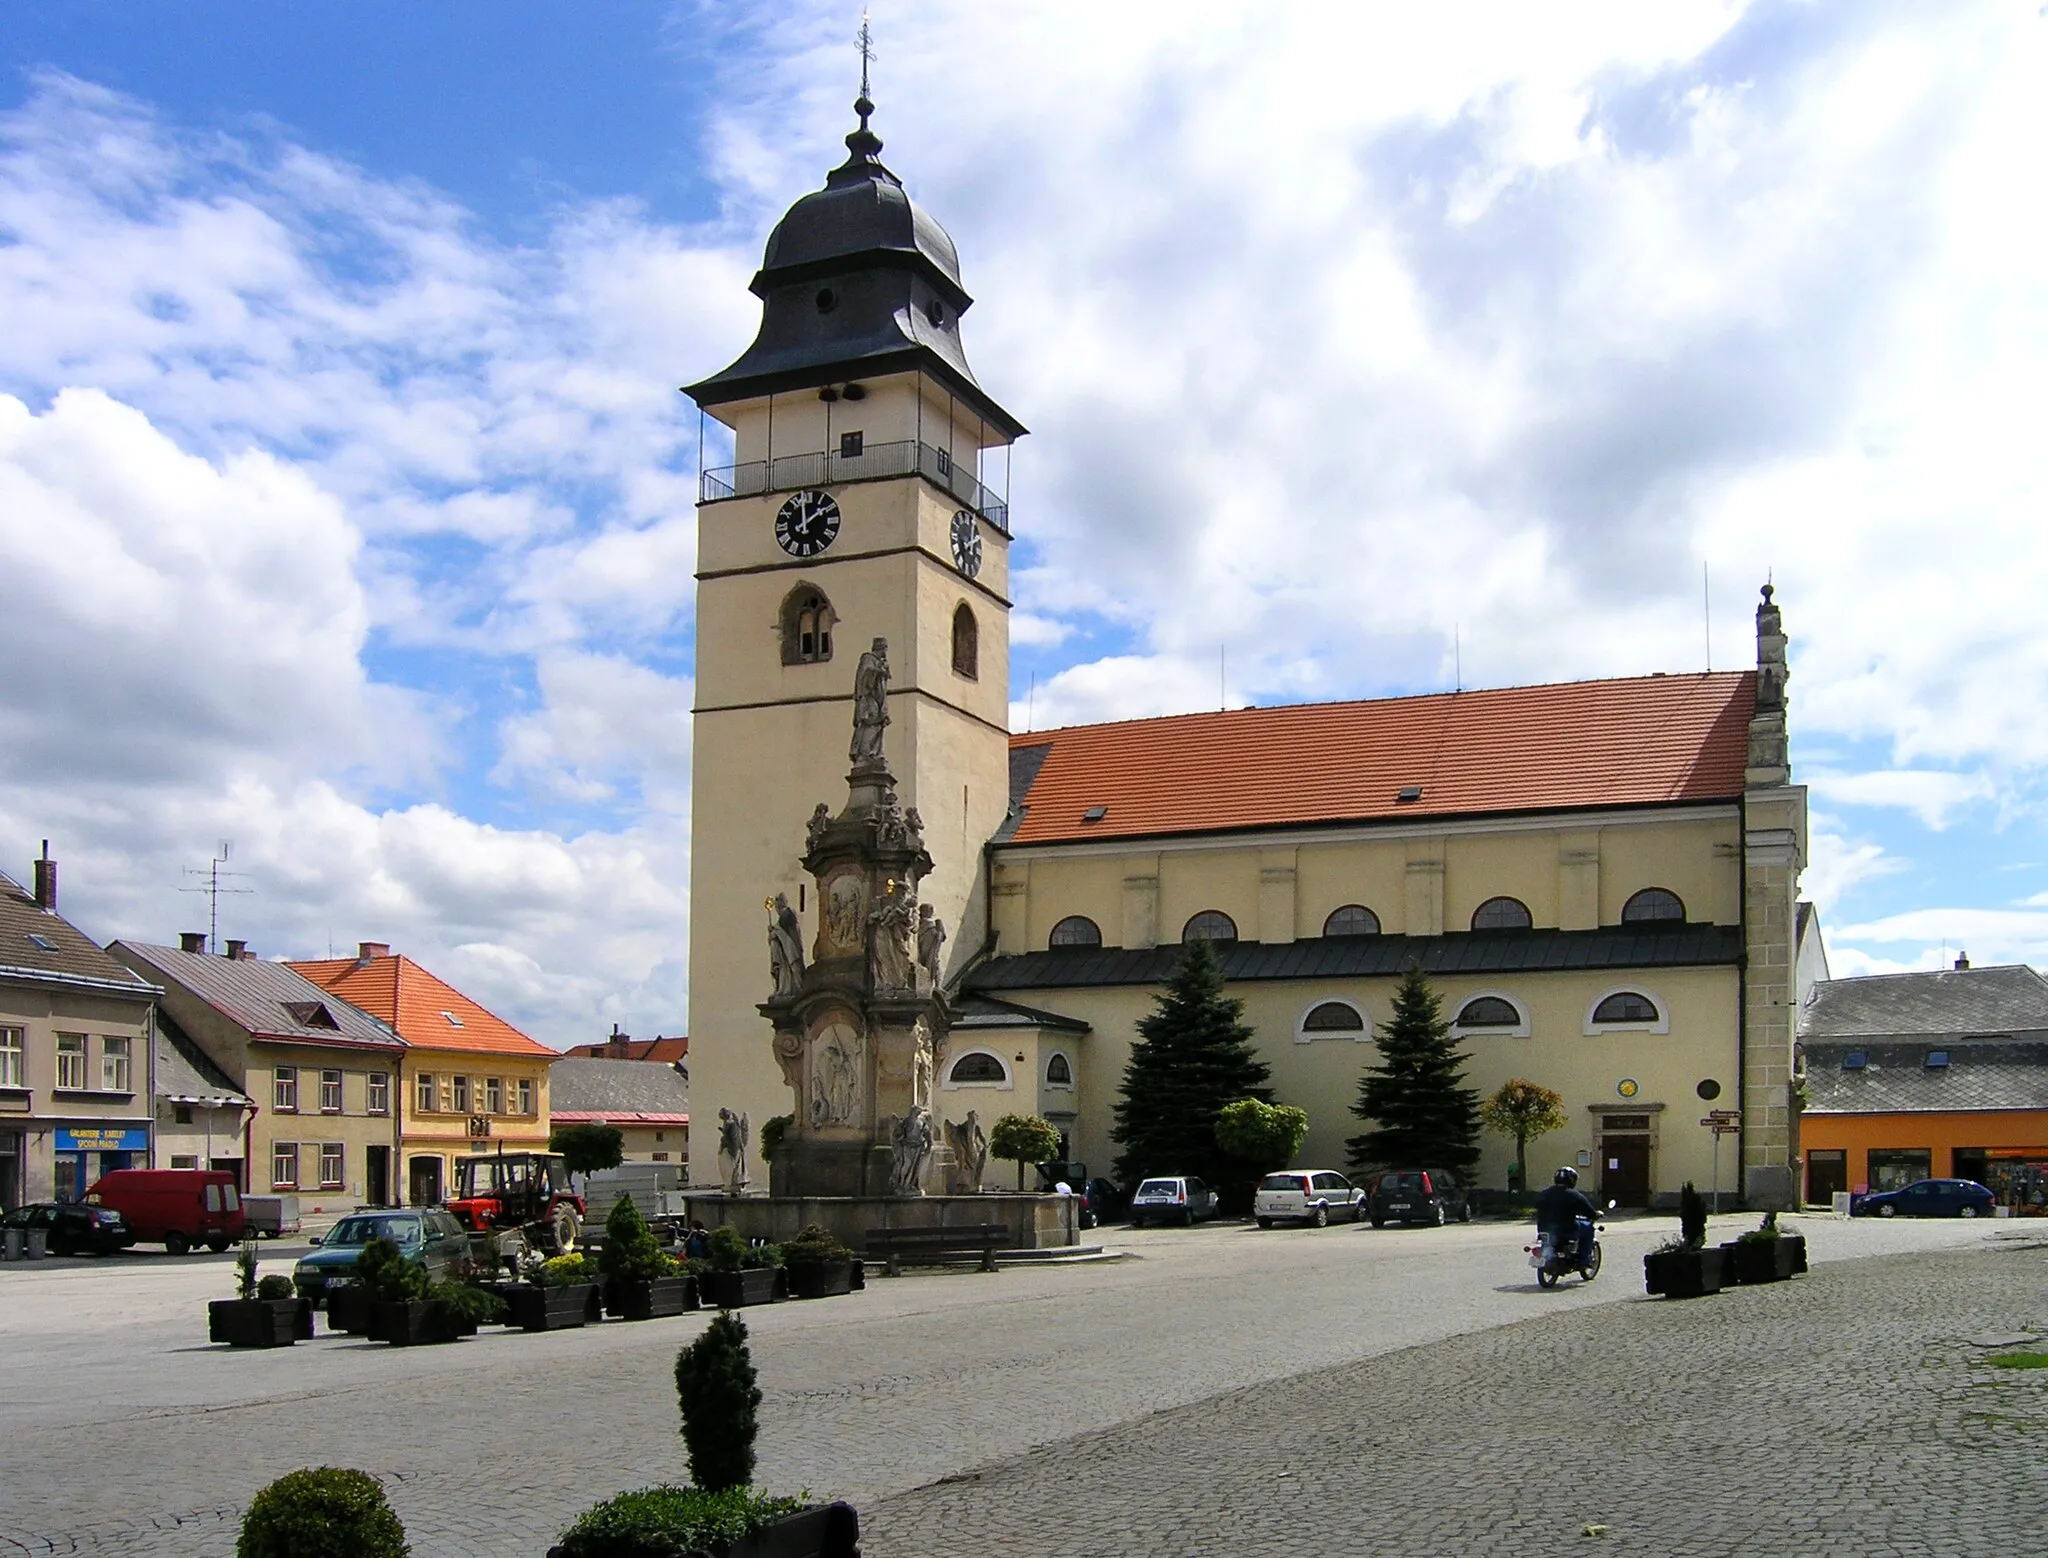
(863, 142)
(867, 55)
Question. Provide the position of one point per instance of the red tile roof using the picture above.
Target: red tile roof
(417, 1004)
(1634, 741)
(665, 1050)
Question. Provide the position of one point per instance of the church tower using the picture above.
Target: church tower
(866, 500)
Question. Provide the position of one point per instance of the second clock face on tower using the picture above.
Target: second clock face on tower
(807, 523)
(967, 543)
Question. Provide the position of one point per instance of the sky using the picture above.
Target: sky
(346, 498)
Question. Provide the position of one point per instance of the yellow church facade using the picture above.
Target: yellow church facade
(1600, 878)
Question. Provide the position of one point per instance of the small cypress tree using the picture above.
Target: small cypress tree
(1192, 1057)
(715, 1387)
(1421, 1115)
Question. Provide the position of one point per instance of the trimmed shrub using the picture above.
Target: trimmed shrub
(275, 1287)
(564, 1271)
(1692, 1218)
(716, 1390)
(814, 1247)
(667, 1522)
(631, 1253)
(390, 1277)
(322, 1512)
(479, 1306)
(773, 1130)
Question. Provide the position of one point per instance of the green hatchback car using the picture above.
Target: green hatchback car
(426, 1237)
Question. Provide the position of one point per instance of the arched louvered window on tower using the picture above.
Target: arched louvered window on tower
(807, 622)
(966, 642)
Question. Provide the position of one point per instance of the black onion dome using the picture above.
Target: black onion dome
(856, 281)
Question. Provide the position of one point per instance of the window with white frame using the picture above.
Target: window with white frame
(330, 1092)
(117, 1068)
(331, 1165)
(1059, 1071)
(12, 1067)
(284, 1165)
(526, 1095)
(494, 1095)
(284, 1089)
(1492, 1012)
(71, 1061)
(424, 1099)
(1626, 1011)
(462, 1095)
(380, 1092)
(978, 1068)
(1333, 1020)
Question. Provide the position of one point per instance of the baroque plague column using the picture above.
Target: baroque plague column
(860, 1025)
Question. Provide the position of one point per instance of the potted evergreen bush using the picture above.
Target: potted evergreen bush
(265, 1314)
(738, 1273)
(322, 1512)
(402, 1312)
(1684, 1267)
(640, 1281)
(348, 1308)
(720, 1514)
(558, 1295)
(817, 1265)
(1764, 1254)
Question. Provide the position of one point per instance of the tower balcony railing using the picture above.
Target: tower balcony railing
(788, 472)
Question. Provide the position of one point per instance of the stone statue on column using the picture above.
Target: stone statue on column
(733, 1135)
(931, 944)
(870, 706)
(785, 947)
(890, 955)
(910, 1145)
(970, 1152)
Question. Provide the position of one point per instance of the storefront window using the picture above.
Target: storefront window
(1896, 1168)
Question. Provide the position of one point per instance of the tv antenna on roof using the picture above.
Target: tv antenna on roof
(213, 874)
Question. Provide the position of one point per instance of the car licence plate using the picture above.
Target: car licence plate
(1397, 1206)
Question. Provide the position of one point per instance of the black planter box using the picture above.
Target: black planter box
(1764, 1260)
(348, 1309)
(1683, 1273)
(736, 1289)
(549, 1308)
(628, 1299)
(820, 1279)
(416, 1322)
(255, 1322)
(829, 1531)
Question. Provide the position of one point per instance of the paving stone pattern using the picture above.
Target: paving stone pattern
(1847, 1413)
(127, 1435)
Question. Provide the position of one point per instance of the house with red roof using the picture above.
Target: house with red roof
(473, 1082)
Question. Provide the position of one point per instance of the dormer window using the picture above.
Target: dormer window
(1937, 1059)
(1856, 1060)
(312, 1014)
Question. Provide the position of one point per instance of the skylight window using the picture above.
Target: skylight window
(1937, 1059)
(453, 1020)
(1410, 792)
(42, 941)
(1856, 1060)
(1095, 814)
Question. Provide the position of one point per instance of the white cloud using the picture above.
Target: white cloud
(1929, 794)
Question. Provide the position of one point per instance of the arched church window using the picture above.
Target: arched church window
(1652, 903)
(977, 1066)
(966, 643)
(1354, 919)
(1059, 1072)
(807, 622)
(1489, 1011)
(1209, 925)
(1076, 930)
(1501, 914)
(1626, 1006)
(1333, 1017)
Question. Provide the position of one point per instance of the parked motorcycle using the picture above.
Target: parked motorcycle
(1583, 1257)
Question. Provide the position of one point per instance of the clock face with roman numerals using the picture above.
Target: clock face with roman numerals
(966, 543)
(807, 523)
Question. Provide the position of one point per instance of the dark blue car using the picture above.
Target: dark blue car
(1929, 1198)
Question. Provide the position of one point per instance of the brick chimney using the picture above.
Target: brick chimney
(1962, 962)
(192, 941)
(616, 1045)
(238, 952)
(46, 881)
(367, 950)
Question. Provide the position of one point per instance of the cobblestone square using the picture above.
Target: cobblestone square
(1222, 1390)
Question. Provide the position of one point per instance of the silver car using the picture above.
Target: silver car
(1180, 1200)
(1311, 1196)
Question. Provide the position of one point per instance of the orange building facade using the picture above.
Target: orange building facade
(2006, 1149)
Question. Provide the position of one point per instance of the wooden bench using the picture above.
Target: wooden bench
(980, 1239)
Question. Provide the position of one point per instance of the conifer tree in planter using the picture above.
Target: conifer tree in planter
(1684, 1267)
(264, 1314)
(640, 1281)
(738, 1273)
(1193, 1056)
(1413, 1098)
(1764, 1254)
(817, 1265)
(721, 1514)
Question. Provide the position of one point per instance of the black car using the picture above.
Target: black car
(1418, 1196)
(72, 1227)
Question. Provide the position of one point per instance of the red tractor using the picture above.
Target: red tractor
(512, 1202)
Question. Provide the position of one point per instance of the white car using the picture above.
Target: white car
(1307, 1196)
(1173, 1200)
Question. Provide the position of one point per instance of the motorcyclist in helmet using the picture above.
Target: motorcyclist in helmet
(1559, 1206)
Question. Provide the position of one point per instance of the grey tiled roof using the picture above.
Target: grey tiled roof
(1333, 957)
(1981, 1074)
(983, 1012)
(2010, 998)
(616, 1087)
(183, 1071)
(71, 956)
(258, 997)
